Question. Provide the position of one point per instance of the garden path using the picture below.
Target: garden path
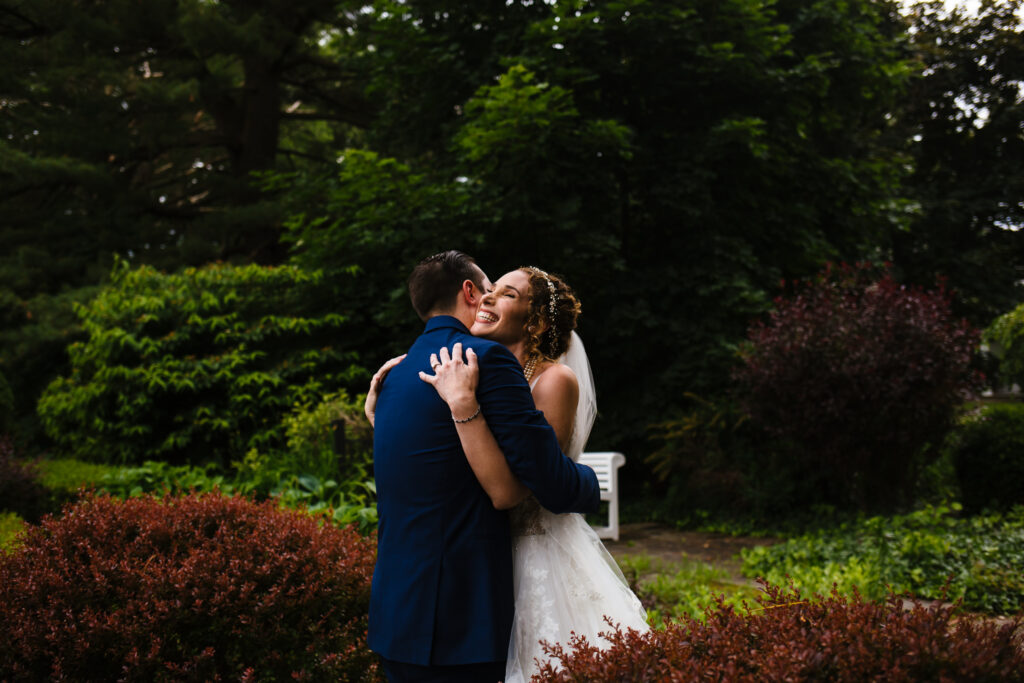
(670, 545)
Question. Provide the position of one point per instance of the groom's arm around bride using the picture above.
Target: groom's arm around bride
(442, 587)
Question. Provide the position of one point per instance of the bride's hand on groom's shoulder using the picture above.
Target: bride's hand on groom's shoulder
(370, 405)
(455, 380)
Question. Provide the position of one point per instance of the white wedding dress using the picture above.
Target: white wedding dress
(565, 580)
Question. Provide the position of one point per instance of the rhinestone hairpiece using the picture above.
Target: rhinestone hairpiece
(551, 288)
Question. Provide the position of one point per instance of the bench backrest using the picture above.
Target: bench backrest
(605, 465)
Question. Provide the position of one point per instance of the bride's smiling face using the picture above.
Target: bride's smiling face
(503, 310)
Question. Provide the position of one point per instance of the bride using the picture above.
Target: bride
(565, 580)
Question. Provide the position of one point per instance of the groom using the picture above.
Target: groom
(441, 604)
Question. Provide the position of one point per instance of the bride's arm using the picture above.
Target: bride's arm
(456, 382)
(370, 404)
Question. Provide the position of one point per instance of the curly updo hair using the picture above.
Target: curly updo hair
(552, 317)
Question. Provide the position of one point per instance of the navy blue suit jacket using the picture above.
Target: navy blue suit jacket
(442, 587)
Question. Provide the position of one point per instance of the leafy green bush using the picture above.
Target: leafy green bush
(325, 466)
(307, 474)
(352, 502)
(930, 553)
(1005, 336)
(988, 453)
(332, 438)
(194, 367)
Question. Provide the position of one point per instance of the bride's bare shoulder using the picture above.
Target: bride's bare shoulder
(557, 379)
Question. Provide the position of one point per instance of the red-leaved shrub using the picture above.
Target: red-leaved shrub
(857, 376)
(199, 587)
(789, 638)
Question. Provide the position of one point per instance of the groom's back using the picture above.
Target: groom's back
(444, 552)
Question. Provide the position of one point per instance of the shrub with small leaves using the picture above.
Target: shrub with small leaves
(988, 454)
(195, 366)
(1005, 337)
(200, 587)
(862, 378)
(790, 638)
(331, 438)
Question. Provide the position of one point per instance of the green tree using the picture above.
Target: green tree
(141, 122)
(961, 124)
(133, 128)
(672, 160)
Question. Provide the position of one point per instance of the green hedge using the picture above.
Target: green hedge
(1005, 337)
(197, 366)
(988, 454)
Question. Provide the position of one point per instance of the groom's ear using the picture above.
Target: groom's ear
(471, 293)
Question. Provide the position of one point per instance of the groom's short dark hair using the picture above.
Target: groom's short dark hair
(436, 280)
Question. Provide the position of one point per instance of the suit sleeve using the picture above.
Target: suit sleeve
(528, 441)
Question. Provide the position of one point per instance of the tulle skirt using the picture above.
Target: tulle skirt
(565, 582)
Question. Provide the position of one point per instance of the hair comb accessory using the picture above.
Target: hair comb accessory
(551, 288)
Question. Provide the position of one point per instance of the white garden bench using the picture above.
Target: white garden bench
(606, 465)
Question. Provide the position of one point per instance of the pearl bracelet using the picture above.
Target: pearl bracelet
(471, 417)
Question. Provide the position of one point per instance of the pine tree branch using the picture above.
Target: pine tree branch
(30, 29)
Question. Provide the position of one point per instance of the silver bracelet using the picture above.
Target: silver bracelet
(471, 417)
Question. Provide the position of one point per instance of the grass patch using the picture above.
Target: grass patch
(10, 526)
(67, 475)
(670, 591)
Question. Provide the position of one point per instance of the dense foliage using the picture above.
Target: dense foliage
(712, 460)
(323, 468)
(553, 134)
(532, 132)
(132, 128)
(959, 125)
(21, 491)
(196, 587)
(34, 336)
(672, 160)
(1005, 336)
(788, 637)
(857, 377)
(930, 553)
(988, 454)
(195, 366)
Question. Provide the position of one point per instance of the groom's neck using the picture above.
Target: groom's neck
(465, 317)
